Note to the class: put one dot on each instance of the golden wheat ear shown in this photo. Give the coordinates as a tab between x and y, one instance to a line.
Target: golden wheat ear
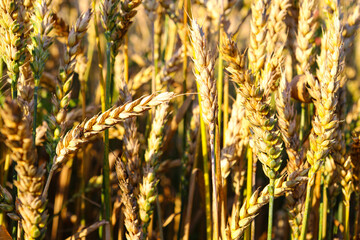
30	181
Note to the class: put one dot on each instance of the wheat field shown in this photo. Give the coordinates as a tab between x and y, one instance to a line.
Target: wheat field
189	119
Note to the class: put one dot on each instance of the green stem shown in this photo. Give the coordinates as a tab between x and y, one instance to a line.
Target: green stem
356	222
307	210
321	209
271	208
126	58
220	86
206	175
1	68
325	211
226	107
329	226
14	87
5	176
153	80
106	168
249	186
302	122
14	191
346	222
215	204
37	80
100	57
158	208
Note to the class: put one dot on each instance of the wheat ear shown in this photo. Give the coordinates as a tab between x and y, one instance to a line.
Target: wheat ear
131	142
237	138
204	74
12	46
257	48
276	35
305	33
295	200
248	212
148	187
116	19
324	91
72	141
128	199
31	176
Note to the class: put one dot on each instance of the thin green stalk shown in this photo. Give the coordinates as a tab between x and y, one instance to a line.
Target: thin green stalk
330	224
14	87
155	70
14	191
226	107
158	208
186	14
220	84
156	39
183	126
5	176
106	169
98	44
346	222
271	208
341	214
90	57
325	211
356	222
305	221
206	173
126	58
249	186
321	209
37	81
302	121
1	68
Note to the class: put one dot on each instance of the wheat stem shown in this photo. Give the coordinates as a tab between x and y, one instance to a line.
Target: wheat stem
106	169
322	213
271	208
249	186
205	158
347	222
309	190
357	214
